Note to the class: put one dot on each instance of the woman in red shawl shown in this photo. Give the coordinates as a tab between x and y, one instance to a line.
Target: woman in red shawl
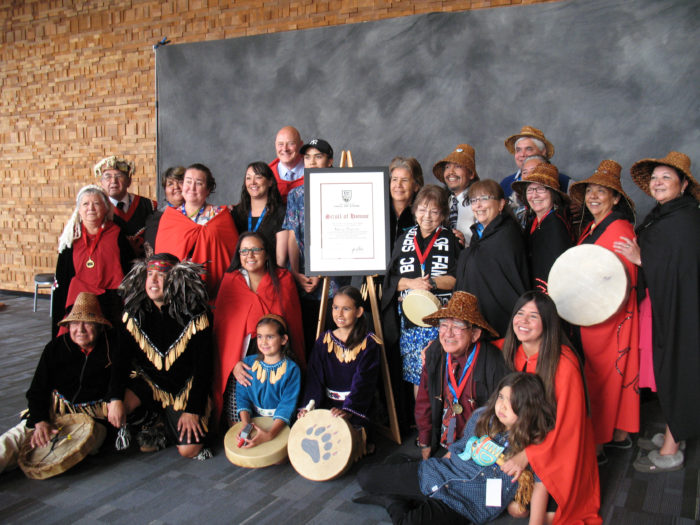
197	231
93	256
565	461
252	287
611	348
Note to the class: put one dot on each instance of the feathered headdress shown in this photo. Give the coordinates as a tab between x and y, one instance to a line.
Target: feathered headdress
185	294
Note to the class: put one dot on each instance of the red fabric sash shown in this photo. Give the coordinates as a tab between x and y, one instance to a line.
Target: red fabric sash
566	461
212	244
107	273
284	186
236	314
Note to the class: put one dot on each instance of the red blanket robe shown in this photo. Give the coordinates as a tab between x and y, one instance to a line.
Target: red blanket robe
212	244
565	461
611	349
236	314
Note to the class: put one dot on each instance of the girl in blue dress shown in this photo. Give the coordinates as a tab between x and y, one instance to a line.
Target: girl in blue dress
276	381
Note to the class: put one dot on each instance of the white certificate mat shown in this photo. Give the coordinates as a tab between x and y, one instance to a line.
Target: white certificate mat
347	223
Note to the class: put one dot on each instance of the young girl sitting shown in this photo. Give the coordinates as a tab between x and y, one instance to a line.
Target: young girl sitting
467	485
275	385
344	364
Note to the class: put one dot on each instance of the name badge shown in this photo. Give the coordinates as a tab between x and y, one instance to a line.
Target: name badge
493	492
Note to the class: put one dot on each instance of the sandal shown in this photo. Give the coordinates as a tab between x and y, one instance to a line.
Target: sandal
655	443
655	463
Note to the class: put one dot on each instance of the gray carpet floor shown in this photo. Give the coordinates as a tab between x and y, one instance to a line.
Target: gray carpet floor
133	488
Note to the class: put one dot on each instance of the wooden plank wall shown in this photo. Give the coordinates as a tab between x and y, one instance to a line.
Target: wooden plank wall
77	83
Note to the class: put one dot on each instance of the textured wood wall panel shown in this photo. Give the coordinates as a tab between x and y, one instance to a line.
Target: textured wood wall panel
77	83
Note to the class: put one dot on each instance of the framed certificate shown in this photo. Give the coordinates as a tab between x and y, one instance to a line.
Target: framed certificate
346	221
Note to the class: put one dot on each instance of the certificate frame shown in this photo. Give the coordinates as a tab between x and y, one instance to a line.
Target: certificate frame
346	227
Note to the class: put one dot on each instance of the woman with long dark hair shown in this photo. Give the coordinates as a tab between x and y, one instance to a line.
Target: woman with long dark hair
261	208
253	286
565	461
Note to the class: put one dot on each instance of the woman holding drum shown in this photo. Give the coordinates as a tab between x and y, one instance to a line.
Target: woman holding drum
548	233
667	248
494	266
423	262
611	347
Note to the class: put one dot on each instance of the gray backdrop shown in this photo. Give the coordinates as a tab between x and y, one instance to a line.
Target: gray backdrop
602	78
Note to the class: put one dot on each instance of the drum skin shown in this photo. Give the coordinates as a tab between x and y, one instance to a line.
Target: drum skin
75	439
322	447
417	304
588	284
263	455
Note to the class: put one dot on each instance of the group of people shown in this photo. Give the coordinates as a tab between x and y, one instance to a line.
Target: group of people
194	315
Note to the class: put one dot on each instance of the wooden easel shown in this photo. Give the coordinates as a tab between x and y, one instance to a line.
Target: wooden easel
392	431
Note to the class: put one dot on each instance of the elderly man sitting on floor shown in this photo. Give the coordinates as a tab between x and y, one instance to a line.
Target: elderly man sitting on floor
460	372
76	374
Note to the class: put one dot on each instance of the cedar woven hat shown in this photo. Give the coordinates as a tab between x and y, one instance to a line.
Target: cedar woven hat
463	155
113	163
533	133
543	173
608	175
641	171
463	306
86	309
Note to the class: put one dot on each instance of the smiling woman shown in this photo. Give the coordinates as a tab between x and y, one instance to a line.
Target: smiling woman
252	286
260	208
93	257
198	231
611	348
494	267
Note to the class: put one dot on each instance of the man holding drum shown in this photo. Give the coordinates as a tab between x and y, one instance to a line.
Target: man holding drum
76	374
460	372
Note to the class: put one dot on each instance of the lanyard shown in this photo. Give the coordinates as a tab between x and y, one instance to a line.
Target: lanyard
257	224
422	256
199	213
458	388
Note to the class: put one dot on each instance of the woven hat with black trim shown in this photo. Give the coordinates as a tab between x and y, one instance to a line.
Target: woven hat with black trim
86	309
608	175
641	171
463	306
532	133
463	155
545	174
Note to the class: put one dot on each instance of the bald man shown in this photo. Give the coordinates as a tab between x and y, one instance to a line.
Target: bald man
288	167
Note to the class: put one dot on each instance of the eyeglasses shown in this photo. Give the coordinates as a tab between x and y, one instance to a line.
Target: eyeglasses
420	210
482	198
457	326
538	190
254	251
116	177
